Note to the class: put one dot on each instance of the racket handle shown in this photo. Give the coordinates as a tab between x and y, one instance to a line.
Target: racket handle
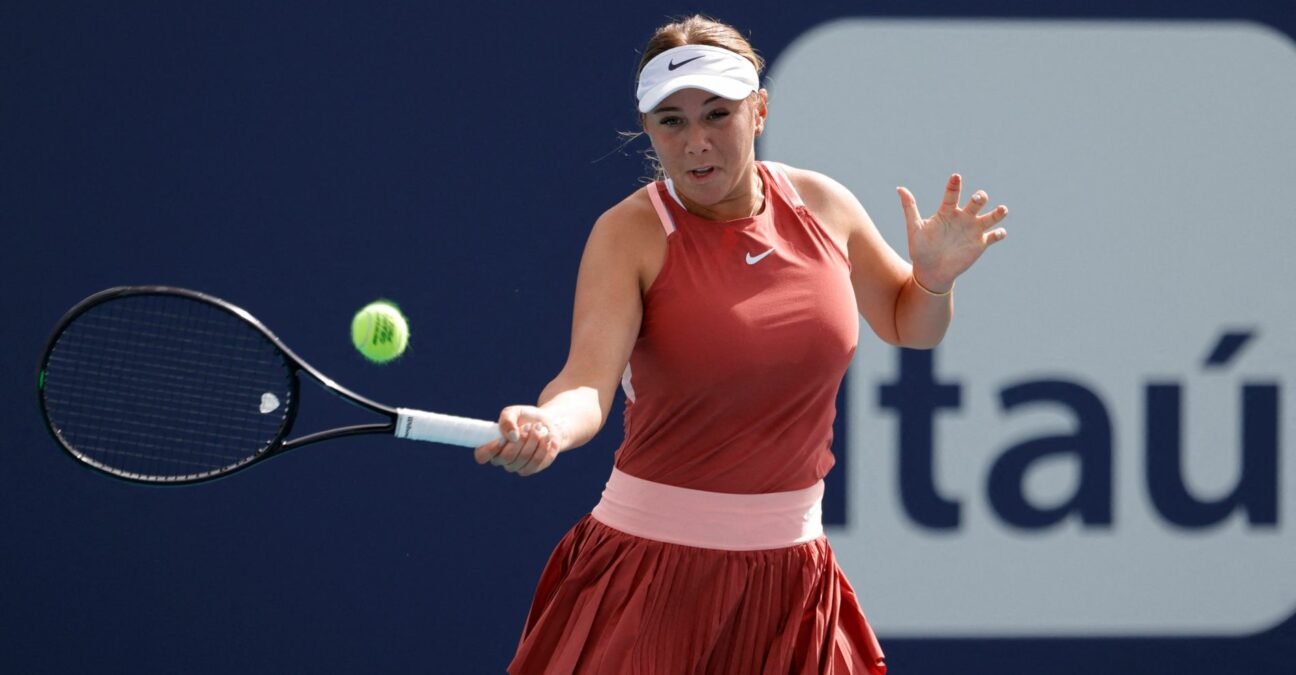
419	425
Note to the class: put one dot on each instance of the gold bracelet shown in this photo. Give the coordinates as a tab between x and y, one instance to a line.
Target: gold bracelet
929	291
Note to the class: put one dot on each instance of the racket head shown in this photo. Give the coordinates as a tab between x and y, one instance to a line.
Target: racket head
162	385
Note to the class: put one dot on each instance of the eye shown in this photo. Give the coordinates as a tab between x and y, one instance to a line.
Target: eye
670	121
717	114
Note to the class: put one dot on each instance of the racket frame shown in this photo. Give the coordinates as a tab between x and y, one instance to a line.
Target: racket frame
296	366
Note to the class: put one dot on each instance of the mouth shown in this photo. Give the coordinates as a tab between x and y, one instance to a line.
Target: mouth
702	172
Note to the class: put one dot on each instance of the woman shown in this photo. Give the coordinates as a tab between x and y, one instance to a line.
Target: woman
724	301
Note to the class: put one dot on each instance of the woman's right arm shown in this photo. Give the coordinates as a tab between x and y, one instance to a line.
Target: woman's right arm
605	323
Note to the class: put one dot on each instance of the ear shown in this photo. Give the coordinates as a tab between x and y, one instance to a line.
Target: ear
761	100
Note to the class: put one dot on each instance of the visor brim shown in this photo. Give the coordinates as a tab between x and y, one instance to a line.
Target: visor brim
724	87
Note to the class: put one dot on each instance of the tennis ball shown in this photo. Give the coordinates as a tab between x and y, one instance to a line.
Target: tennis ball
379	331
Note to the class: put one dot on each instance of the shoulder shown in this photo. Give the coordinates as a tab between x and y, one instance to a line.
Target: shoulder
635	208
833	205
819	191
628	237
631	220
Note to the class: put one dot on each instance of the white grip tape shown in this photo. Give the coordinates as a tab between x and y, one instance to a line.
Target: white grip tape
418	425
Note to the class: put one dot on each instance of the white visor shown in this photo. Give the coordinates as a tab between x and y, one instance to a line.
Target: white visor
712	69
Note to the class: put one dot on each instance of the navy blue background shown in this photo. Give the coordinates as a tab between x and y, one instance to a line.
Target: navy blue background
300	159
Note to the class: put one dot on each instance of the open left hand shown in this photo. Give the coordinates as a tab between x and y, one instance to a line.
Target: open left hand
945	245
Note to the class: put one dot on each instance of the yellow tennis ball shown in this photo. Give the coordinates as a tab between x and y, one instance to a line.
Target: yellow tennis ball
379	331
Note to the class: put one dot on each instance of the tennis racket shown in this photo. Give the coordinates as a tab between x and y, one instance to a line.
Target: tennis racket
168	386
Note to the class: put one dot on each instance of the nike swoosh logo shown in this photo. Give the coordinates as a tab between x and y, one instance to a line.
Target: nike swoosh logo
752	260
672	65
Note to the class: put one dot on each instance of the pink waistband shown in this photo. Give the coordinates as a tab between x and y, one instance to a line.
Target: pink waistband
716	520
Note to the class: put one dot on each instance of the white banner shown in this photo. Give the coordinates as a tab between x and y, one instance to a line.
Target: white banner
1101	446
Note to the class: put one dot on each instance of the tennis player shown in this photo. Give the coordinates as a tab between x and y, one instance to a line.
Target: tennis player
723	299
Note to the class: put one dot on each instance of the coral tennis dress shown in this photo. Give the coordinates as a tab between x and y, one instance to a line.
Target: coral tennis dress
730	397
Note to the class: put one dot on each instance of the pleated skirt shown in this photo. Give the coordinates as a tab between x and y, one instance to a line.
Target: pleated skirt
614	603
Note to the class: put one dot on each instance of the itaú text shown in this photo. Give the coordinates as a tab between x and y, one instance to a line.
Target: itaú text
917	396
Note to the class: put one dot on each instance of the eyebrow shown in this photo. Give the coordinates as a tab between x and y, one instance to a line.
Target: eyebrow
676	109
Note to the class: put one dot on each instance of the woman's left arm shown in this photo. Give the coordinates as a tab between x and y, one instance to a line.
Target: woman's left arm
906	304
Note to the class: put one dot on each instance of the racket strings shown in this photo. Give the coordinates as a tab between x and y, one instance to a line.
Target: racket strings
197	337
147	427
147	391
144	386
234	371
165	387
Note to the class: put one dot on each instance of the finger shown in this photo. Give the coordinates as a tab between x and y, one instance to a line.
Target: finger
910	207
975	204
508	423
511	449
952	190
546	447
542	459
507	454
994	236
524	458
991	219
487	452
507	426
529	444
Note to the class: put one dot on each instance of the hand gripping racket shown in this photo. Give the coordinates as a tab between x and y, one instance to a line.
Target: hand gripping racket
166	385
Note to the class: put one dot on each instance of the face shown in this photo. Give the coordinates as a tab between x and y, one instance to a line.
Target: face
707	145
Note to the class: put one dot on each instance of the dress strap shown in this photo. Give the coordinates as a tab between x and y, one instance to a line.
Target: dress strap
784	183
667	221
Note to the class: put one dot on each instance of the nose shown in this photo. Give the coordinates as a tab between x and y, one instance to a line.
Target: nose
696	140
